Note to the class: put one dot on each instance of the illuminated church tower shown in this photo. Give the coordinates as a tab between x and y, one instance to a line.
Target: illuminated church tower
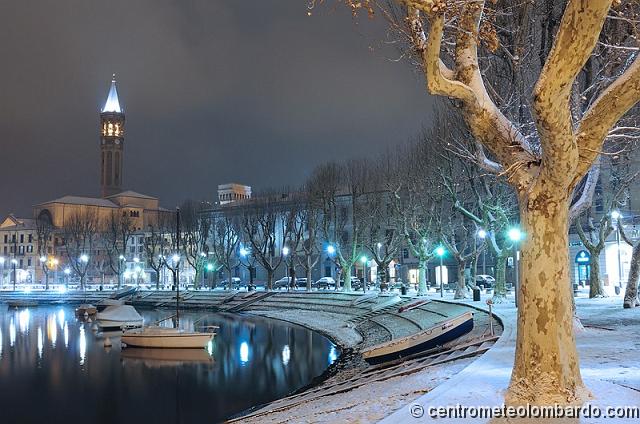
111	143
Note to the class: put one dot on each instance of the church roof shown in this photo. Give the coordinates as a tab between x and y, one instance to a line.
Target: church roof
79	200
131	193
112	104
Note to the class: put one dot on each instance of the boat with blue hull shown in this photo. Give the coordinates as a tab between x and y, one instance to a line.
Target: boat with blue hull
432	337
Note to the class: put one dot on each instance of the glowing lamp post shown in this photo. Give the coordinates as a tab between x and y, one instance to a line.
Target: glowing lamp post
440	252
67	273
515	235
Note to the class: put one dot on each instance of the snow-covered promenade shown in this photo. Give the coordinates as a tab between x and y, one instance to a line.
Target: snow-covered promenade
608	348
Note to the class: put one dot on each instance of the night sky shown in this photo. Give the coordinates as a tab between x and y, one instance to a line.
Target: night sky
214	91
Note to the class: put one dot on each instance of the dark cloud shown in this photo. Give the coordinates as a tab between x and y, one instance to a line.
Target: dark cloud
214	91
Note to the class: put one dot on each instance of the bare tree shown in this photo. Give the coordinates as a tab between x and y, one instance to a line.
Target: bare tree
196	226
225	239
117	232
544	169
44	232
80	233
631	299
157	242
264	228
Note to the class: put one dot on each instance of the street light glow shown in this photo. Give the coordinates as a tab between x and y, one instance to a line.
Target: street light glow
67	271
482	233
331	249
515	234
43	259
616	215
363	259
285	251
121	257
136	259
175	258
243	252
440	251
379	245
209	267
84	258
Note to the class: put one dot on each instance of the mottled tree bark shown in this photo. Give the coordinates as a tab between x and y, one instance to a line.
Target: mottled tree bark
631	292
546	368
596	288
461	287
422	277
500	288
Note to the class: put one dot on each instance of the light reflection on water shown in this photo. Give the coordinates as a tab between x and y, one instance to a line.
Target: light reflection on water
251	361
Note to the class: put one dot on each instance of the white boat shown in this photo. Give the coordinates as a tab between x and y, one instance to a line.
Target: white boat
166	338
119	316
105	303
430	338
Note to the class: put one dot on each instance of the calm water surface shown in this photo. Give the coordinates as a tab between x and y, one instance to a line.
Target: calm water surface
55	369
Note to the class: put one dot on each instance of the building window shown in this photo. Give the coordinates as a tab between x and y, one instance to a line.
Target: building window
5	250
140	249
21	238
21	263
405	253
29	262
13	238
30	238
141	239
6	238
132	249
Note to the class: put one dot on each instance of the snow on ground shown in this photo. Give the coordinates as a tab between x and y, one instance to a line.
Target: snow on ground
608	349
367	404
328	323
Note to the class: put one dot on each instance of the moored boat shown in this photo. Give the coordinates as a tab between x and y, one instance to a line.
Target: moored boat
123	292
430	338
86	308
19	303
119	316
166	338
105	303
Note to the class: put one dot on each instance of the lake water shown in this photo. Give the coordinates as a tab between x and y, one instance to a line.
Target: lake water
54	368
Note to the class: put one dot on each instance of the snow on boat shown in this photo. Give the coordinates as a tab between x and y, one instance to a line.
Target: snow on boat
430	338
105	303
166	338
119	316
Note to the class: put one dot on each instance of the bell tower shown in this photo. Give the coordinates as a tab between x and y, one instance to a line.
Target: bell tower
111	143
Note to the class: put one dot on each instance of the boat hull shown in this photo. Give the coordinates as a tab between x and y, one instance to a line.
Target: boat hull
428	339
106	323
168	341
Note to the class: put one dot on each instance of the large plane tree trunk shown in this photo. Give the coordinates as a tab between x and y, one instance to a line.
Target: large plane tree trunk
596	288
546	369
631	292
422	277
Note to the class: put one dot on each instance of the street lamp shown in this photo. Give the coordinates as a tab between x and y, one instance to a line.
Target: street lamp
515	235
616	216
285	252
364	261
440	252
331	250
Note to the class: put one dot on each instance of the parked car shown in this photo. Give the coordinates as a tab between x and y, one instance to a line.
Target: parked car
325	283
301	283
282	283
356	284
235	282
485	281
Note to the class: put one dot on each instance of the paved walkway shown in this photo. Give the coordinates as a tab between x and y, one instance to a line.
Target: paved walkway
608	349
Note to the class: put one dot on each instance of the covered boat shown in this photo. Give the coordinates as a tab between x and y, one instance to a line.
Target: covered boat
86	308
119	316
105	303
167	338
430	338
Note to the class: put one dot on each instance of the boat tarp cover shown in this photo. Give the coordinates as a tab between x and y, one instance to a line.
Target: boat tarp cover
120	313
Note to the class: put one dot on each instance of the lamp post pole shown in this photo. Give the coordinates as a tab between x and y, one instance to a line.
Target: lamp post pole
616	217
515	235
